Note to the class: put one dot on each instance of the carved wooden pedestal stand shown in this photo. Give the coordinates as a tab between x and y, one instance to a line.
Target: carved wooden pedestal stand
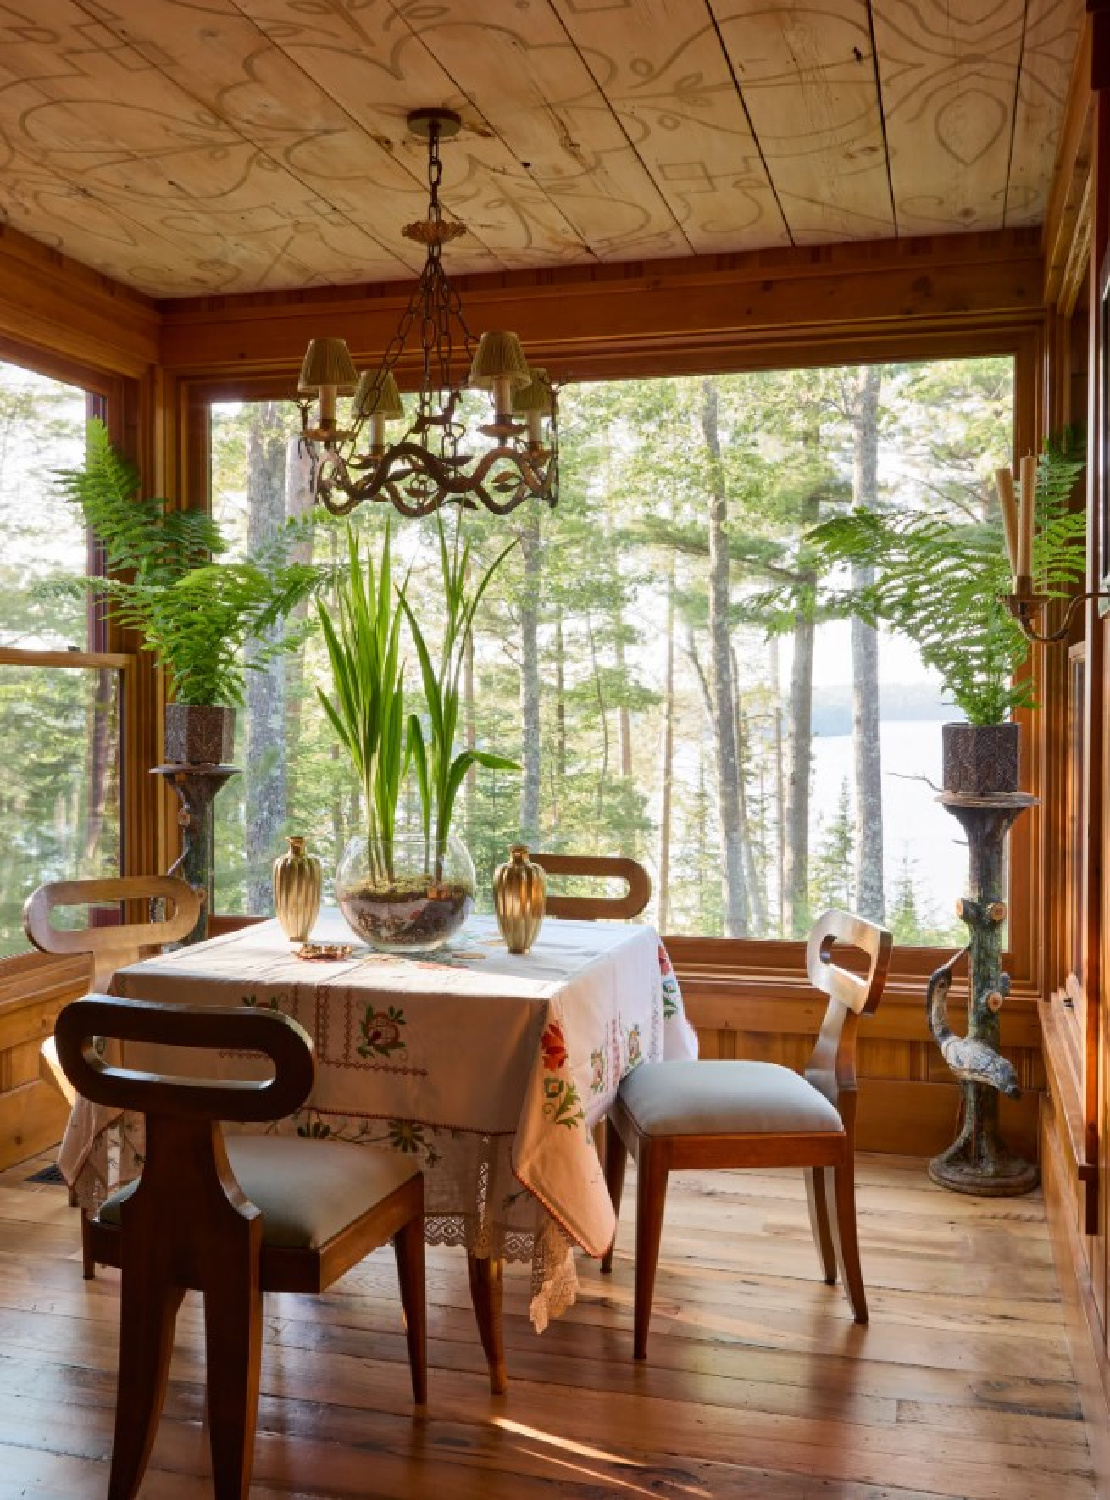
196	787
978	1161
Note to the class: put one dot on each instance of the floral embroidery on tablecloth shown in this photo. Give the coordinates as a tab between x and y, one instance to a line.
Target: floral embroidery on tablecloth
409	1137
562	1103
635	1047
599	1071
672	995
554	1047
380	1031
253	1003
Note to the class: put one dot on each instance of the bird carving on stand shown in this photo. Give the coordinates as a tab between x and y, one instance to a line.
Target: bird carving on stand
972	1061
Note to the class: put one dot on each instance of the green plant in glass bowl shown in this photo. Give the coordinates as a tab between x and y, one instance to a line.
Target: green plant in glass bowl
402	888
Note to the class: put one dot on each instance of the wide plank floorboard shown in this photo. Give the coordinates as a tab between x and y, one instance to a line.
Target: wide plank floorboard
759	1386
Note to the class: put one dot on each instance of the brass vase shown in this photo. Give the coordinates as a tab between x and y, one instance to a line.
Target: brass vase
519	894
297	885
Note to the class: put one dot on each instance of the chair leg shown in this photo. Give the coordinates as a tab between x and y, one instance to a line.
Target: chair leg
844	1237
88	1260
408	1246
616	1159
485	1292
651	1197
148	1310
233	1349
817	1195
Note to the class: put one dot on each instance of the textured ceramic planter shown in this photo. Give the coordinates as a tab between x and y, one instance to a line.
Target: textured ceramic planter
199	735
980	759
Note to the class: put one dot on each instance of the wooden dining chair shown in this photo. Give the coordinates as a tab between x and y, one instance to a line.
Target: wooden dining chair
597	867
108	947
675	1116
231	1218
111	946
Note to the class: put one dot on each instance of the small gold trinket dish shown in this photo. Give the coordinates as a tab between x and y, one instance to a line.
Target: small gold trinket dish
324	952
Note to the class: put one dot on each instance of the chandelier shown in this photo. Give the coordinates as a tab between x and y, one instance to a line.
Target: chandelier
435	461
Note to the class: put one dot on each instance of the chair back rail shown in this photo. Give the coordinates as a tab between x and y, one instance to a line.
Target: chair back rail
832	1064
113	946
598	867
208	1028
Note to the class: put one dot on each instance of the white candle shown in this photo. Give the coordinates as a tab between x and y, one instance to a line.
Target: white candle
1004	481
1028	505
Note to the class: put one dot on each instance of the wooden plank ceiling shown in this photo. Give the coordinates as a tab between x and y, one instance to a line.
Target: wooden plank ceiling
191	146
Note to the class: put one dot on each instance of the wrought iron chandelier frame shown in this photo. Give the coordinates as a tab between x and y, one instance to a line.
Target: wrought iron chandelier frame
429	466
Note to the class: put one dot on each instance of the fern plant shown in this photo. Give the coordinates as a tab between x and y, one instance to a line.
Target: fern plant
194	612
938	580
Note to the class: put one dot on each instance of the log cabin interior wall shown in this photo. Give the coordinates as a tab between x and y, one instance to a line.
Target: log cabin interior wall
603	218
1075	1155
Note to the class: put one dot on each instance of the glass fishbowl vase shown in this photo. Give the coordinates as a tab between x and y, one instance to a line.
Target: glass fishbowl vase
403	895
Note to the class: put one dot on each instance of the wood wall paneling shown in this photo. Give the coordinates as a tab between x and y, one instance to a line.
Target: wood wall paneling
32	991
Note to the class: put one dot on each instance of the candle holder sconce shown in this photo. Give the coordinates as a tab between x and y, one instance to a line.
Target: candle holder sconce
1027	606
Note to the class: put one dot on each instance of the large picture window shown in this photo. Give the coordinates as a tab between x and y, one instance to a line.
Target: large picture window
60	699
639	656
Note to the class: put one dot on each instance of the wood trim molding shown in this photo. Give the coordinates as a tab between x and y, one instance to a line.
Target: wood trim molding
593	322
59	307
1070	176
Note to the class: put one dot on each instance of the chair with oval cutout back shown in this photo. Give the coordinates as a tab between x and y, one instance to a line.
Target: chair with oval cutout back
597	867
109	947
673	1116
230	1218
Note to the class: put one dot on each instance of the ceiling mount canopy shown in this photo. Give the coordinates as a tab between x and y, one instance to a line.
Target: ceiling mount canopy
435	461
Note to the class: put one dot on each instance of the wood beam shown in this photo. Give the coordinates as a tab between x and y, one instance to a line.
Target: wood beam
62	308
596	321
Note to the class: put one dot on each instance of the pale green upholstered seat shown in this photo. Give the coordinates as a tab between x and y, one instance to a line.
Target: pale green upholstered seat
307	1191
732	1113
720	1097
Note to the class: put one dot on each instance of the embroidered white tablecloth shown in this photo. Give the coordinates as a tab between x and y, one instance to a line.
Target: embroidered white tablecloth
489	1067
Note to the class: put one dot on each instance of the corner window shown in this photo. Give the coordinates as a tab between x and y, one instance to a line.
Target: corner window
634	656
60	701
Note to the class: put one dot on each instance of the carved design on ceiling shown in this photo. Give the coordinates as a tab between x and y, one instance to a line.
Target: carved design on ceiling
191	146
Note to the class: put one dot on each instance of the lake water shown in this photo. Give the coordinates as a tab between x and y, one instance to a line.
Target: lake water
914	823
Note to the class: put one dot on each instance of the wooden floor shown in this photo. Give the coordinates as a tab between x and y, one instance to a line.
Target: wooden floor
758	1386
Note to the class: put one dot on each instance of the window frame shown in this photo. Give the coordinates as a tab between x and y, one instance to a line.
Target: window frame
764	967
114	399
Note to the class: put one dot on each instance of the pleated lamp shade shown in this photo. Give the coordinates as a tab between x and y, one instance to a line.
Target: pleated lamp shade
328	363
377	395
536	395
499	358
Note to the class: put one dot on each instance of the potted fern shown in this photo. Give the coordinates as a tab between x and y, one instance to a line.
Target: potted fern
940	580
194	609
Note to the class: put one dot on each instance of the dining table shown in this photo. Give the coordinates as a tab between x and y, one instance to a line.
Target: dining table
489	1068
